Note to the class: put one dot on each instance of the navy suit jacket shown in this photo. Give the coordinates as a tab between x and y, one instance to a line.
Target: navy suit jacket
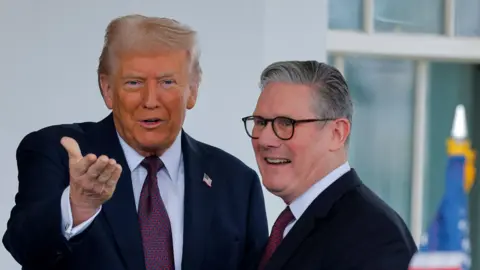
347	227
225	226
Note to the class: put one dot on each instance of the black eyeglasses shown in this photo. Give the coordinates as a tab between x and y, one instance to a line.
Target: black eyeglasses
283	127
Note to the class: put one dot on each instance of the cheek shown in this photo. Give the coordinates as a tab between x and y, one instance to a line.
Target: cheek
314	153
295	148
300	152
173	100
126	103
254	145
256	151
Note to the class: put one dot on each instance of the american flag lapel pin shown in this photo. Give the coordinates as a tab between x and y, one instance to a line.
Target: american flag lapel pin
207	180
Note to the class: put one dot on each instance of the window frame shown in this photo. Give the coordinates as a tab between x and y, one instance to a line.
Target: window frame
422	48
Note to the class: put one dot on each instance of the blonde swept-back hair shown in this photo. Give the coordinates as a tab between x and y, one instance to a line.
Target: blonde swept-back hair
139	34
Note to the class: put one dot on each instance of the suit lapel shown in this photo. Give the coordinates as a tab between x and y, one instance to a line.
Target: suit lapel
199	204
311	219
291	242
120	210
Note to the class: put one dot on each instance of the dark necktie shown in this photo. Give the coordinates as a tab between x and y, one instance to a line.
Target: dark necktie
276	236
154	222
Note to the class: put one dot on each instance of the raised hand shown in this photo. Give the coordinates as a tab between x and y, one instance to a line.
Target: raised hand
92	180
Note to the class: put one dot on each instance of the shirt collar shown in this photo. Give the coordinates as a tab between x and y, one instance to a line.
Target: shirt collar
299	205
171	158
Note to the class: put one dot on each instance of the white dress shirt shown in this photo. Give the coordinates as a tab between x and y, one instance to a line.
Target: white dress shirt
300	204
171	182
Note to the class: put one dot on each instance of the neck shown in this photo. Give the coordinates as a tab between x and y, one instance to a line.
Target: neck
321	169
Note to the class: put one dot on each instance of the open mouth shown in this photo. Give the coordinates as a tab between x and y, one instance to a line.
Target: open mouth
151	121
277	161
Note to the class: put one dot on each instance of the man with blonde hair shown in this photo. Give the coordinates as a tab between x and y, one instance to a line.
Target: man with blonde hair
135	191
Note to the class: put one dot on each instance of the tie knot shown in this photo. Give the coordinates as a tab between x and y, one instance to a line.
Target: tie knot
153	164
284	218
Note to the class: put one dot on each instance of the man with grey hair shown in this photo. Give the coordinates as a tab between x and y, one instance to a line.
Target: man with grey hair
135	191
299	131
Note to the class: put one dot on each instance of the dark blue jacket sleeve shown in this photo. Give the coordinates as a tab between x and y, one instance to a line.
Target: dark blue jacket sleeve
33	235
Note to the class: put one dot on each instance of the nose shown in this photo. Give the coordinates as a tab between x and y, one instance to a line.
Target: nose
267	137
150	96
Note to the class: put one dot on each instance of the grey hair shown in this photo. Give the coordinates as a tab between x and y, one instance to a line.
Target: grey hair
332	97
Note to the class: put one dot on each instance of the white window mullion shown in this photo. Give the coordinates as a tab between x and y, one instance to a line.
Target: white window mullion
449	18
404	45
339	63
368	16
419	149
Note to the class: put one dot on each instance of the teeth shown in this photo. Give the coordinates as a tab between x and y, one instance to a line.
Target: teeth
277	160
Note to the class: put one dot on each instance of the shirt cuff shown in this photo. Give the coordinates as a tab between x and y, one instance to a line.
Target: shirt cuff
67	220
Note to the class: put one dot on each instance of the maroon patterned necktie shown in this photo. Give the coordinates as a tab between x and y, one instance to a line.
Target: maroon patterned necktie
154	222
276	236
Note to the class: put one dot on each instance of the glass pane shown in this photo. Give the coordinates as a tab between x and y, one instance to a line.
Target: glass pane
467	17
472	113
410	16
330	59
450	84
381	142
345	14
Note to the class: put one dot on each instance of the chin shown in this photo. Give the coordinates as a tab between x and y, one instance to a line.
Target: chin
151	138
274	185
154	144
150	144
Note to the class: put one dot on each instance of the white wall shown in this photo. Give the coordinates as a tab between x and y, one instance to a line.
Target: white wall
49	52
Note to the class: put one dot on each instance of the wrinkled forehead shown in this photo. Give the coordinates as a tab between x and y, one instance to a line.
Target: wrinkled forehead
153	62
285	99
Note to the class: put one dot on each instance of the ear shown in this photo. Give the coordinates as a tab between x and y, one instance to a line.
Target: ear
107	90
192	95
340	132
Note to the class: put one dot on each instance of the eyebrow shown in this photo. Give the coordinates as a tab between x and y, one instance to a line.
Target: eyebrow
142	77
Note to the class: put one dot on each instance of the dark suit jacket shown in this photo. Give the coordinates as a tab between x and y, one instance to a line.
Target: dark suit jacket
225	226
346	227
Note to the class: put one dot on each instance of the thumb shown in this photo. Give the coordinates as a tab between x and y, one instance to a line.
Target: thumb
72	148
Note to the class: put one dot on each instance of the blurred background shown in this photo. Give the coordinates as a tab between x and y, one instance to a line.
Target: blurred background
408	63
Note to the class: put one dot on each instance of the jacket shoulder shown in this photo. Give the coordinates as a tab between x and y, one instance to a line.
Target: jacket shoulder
221	158
363	201
224	158
52	134
369	214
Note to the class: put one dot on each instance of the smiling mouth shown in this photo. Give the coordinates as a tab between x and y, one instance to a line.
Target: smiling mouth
277	161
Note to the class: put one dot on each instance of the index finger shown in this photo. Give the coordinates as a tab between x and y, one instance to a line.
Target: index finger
115	176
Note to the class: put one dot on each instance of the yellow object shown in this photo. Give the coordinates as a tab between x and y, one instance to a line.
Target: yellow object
463	148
